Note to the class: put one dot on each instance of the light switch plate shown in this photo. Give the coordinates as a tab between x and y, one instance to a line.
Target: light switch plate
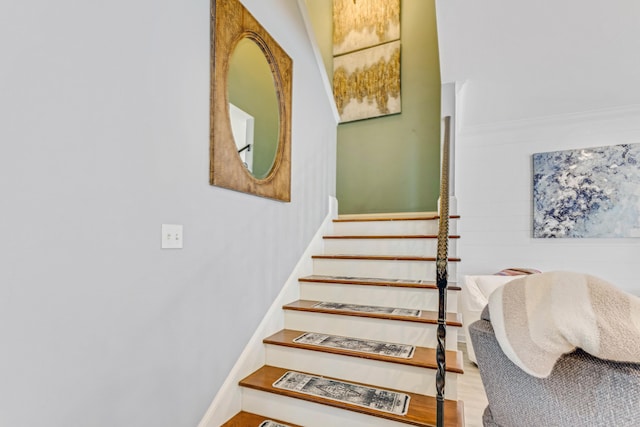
171	236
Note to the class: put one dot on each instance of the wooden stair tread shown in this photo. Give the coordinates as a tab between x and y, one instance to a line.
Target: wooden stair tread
368	281
247	419
451	319
387	236
423	357
427	217
382	257
421	411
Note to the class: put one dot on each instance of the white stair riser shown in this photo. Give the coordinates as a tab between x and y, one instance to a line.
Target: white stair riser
386	296
308	414
409	247
387	228
408	270
402	332
356	369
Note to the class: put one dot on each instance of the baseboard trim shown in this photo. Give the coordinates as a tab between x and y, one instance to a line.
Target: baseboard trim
228	400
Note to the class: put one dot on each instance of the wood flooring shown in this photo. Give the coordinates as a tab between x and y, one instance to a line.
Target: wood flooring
471	391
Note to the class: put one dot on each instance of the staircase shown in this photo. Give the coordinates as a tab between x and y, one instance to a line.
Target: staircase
375	282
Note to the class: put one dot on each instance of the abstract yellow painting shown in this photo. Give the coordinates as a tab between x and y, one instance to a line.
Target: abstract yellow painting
366	83
366	62
361	24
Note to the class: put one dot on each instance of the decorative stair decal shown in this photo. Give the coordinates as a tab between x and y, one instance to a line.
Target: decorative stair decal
368	309
270	423
354	344
354	394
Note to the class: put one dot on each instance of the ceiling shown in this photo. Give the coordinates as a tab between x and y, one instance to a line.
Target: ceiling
529	59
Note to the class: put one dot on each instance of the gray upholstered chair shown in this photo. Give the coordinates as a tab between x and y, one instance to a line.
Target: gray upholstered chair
581	391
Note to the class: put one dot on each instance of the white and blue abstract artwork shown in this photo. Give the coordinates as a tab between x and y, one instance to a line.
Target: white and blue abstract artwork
591	192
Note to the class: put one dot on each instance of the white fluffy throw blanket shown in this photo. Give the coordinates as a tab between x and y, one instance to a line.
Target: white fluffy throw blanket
540	317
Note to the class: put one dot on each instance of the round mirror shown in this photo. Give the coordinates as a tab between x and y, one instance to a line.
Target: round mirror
251	78
253	108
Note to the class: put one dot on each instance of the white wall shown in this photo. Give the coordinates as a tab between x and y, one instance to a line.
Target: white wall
527	59
536	77
104	136
494	178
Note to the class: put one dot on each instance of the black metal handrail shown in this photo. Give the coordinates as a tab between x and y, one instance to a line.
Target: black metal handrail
442	275
246	147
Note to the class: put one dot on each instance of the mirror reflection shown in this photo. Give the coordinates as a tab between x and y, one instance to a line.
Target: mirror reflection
253	107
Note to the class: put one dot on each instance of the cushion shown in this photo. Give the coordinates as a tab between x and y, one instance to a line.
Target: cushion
516	271
488	284
478	288
539	318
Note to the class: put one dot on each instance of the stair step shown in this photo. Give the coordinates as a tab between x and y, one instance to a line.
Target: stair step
367	281
422	298
246	419
451	319
407	217
396	267
383	257
346	363
387	236
422	357
370	328
414	245
421	410
399	225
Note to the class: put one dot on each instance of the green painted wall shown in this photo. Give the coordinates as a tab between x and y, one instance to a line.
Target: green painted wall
391	164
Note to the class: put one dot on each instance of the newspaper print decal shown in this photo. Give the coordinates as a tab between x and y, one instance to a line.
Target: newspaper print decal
386	280
368	309
270	423
354	394
354	344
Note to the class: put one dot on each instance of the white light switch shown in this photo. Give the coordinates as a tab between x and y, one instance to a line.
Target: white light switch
171	236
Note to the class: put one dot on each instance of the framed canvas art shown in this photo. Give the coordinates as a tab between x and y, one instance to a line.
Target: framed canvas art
366	83
361	24
590	192
366	61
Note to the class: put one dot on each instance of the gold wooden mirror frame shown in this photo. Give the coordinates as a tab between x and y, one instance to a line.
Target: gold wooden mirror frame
230	23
